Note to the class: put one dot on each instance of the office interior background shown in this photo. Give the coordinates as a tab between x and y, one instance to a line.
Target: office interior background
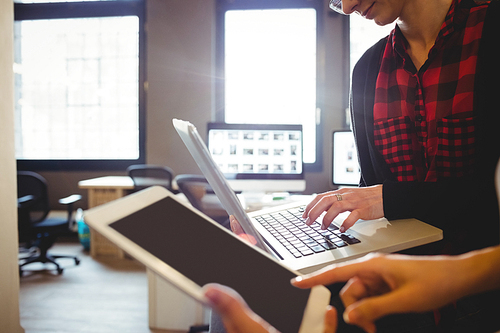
180	61
179	57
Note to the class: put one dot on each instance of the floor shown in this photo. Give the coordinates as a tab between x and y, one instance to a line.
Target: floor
99	296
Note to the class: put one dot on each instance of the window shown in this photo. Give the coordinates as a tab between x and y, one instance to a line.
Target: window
79	74
363	34
268	62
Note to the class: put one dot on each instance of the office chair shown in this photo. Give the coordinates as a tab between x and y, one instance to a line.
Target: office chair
201	195
145	175
36	229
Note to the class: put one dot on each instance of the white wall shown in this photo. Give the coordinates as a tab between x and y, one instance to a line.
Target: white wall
9	271
180	65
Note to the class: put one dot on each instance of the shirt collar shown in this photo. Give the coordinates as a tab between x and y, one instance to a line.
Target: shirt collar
455	18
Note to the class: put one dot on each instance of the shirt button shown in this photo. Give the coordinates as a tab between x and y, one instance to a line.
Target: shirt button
418	117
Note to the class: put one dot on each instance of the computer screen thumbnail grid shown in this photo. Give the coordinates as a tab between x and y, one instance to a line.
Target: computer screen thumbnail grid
257	151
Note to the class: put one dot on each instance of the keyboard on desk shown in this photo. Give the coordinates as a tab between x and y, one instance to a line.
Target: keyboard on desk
289	228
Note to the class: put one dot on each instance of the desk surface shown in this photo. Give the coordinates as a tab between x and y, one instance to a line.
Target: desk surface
253	203
124	182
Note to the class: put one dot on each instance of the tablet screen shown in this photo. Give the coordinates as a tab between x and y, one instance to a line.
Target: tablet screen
205	253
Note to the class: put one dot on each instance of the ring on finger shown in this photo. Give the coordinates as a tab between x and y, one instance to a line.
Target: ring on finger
339	197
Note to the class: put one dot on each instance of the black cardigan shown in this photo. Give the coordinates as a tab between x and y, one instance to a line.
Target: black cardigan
456	205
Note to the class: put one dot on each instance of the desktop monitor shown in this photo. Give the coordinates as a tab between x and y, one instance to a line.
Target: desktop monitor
258	157
345	164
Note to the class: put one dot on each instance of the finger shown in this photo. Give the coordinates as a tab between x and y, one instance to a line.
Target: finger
338	272
224	299
237	229
235	314
351	219
333	211
351	317
235	226
367	310
324	204
227	305
330	320
353	291
310	205
324	276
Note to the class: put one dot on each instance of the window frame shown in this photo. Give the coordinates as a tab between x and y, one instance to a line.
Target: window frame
225	5
92	9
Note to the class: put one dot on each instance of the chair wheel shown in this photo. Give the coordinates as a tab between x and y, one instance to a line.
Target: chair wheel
77	261
60	271
20	272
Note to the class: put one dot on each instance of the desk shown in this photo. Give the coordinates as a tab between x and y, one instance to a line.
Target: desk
105	189
100	191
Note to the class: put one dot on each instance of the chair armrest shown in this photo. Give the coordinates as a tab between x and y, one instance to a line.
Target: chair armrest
70	200
23	202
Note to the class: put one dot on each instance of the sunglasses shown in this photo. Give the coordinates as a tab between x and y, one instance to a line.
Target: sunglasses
336	5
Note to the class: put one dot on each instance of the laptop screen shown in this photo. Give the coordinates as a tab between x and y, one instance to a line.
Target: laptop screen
345	165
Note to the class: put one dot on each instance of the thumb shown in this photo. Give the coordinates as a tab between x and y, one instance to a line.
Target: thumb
236	316
355	314
224	300
330	320
235	226
238	231
366	311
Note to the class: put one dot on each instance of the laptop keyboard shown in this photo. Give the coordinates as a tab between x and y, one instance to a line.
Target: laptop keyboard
289	228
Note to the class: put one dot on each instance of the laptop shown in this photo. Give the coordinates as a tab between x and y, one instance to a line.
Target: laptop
272	230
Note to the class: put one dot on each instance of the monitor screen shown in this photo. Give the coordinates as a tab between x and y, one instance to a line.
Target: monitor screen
258	157
345	165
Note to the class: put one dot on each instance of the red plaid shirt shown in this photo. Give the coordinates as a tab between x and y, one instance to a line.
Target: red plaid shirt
423	120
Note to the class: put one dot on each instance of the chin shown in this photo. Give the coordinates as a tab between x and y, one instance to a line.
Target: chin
381	21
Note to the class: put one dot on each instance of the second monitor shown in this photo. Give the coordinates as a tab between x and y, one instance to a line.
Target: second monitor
345	164
259	157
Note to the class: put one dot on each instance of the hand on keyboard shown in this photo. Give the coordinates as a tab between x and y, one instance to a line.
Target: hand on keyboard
363	202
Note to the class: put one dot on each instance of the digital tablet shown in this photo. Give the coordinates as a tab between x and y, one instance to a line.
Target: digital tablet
189	250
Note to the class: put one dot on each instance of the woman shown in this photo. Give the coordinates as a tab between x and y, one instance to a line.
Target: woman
424	116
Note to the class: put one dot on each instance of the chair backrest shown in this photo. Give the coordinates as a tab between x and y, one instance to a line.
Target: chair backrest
145	175
33	184
201	195
195	188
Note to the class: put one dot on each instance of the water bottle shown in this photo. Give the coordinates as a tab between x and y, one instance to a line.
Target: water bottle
83	230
